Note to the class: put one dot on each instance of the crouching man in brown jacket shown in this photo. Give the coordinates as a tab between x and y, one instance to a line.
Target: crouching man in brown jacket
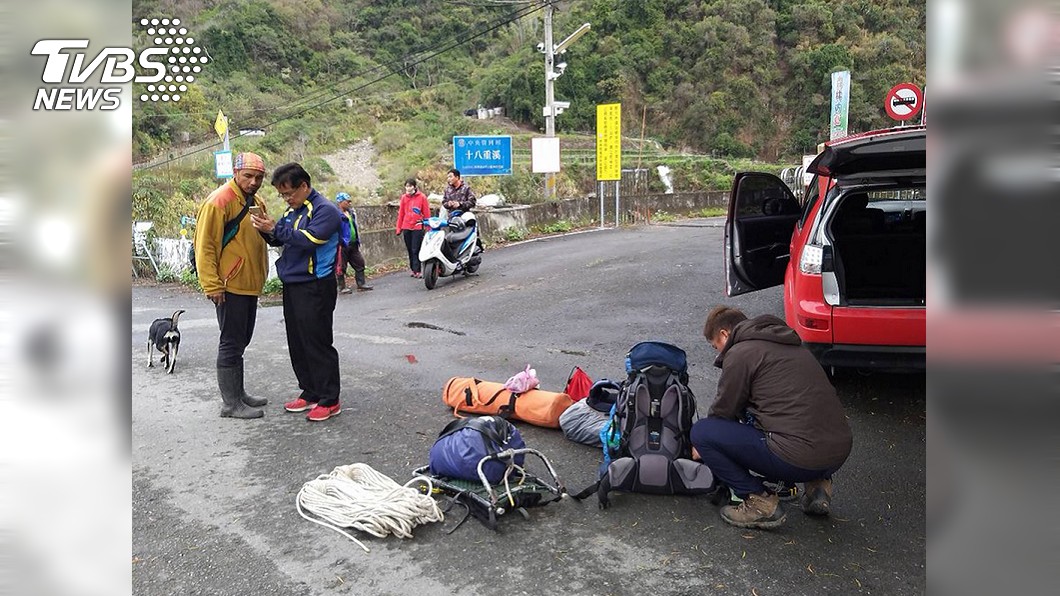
776	414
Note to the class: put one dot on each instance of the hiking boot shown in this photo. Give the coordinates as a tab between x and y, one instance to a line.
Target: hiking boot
362	284
320	413
761	511
817	497
298	405
346	291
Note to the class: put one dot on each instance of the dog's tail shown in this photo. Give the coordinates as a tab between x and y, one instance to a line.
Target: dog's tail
176	317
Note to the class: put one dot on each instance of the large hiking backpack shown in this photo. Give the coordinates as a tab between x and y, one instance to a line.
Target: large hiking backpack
646	443
464	442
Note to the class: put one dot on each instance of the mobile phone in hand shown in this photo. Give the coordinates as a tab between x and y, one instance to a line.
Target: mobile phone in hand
256	210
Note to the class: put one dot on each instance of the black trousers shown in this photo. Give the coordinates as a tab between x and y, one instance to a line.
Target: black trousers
353	256
309	315
413	239
235	318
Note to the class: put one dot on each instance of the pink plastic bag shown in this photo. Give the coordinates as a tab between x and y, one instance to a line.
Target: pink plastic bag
522	382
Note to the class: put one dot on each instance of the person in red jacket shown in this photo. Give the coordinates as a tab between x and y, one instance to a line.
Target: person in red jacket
410	223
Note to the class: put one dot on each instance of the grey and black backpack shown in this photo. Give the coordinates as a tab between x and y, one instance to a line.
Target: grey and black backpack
646	443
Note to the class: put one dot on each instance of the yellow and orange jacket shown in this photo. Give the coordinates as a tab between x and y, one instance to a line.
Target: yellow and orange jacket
239	267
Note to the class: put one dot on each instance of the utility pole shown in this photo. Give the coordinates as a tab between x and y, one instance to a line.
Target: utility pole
550	97
552	72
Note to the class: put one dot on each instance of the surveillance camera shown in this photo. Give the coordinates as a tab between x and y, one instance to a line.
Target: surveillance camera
562	66
541	47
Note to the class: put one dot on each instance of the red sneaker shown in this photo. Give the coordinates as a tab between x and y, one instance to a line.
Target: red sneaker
320	413
298	405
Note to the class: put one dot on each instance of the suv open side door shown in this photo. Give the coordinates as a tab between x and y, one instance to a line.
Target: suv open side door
758	231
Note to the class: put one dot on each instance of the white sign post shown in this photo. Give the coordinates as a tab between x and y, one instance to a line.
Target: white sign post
544	155
222	161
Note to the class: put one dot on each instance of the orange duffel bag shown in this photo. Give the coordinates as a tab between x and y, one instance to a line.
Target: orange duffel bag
474	396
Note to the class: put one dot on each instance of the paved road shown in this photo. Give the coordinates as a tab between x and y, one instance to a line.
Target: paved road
214	498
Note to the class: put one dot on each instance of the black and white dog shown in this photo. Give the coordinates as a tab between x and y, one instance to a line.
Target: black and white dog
164	336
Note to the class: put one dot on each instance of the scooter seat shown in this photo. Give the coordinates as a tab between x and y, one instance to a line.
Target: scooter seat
458	237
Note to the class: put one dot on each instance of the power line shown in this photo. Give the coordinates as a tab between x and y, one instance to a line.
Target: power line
493	4
399	61
404	62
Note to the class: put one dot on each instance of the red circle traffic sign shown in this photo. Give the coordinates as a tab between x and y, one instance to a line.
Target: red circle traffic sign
904	101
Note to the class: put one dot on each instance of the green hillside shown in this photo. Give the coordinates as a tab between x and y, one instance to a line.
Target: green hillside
726	79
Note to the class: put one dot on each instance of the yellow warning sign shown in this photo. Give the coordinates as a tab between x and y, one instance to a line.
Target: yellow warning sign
221	124
609	141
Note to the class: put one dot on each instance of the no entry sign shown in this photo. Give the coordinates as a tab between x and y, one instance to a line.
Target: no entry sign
904	101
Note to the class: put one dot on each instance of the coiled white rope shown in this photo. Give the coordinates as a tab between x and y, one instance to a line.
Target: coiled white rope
356	496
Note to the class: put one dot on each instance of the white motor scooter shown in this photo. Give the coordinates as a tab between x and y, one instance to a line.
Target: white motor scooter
450	246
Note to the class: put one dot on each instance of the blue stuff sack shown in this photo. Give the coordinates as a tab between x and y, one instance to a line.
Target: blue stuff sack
464	442
656	353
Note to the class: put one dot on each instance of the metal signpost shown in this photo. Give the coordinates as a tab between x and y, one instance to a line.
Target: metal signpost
222	159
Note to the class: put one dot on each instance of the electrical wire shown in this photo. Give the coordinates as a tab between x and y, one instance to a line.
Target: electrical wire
405	63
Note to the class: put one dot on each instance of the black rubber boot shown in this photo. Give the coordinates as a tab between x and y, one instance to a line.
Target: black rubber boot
342	286
362	285
230	381
250	400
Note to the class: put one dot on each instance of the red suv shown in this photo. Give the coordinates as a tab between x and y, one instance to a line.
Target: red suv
854	268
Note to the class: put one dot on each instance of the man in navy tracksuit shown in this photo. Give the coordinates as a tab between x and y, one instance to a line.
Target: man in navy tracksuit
309	234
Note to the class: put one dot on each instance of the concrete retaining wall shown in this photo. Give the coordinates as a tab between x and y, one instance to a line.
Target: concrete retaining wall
380	244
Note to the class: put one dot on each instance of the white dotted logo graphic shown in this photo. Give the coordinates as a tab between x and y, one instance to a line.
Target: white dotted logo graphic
184	61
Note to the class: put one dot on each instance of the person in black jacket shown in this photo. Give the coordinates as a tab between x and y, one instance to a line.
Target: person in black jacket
459	197
776	414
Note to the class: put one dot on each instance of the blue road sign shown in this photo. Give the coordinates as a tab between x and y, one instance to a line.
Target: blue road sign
483	155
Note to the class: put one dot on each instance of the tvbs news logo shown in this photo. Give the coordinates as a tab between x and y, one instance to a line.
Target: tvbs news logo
162	71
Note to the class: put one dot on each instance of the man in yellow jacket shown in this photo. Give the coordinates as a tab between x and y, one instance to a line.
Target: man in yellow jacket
232	261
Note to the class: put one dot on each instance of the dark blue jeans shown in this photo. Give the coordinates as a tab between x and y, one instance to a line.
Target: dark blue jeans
732	449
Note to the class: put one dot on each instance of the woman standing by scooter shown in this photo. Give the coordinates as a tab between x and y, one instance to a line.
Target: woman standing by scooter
411	213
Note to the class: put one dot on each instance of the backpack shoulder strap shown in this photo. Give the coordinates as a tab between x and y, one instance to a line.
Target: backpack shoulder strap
585	492
232	226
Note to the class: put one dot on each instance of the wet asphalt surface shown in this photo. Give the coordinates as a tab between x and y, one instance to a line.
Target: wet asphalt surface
213	498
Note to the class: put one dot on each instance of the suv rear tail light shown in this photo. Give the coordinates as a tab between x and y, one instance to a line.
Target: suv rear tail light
812	257
816	259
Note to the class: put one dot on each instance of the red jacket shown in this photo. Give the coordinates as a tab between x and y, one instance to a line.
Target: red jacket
407	219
